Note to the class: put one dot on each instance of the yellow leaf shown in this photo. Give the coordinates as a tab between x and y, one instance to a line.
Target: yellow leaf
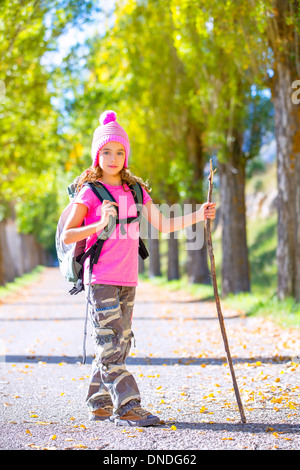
173	428
53	437
28	432
276	400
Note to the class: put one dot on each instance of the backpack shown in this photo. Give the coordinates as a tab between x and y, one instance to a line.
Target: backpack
71	257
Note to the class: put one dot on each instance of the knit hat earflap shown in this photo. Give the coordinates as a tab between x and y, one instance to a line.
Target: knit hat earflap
109	131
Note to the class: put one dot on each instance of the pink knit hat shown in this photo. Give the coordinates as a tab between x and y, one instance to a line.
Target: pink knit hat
109	131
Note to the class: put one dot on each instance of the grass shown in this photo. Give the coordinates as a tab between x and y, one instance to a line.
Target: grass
19	282
200	291
285	313
262	300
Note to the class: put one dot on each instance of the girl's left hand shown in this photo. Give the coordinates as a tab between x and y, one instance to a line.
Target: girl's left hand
209	210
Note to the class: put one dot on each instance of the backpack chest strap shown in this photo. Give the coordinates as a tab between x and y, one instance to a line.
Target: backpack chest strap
102	193
129	220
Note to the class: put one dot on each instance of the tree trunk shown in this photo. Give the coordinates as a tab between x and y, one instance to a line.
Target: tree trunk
197	267
154	255
287	123
284	40
173	262
235	265
197	263
141	268
2	261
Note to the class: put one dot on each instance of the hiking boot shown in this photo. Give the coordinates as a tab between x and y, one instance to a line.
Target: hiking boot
101	414
136	416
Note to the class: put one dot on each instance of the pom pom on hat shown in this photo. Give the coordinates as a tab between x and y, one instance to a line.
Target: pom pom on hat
107	116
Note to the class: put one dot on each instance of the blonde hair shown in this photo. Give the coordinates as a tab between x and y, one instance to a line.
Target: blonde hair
94	173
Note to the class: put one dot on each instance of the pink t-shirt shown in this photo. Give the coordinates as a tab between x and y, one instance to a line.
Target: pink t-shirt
118	261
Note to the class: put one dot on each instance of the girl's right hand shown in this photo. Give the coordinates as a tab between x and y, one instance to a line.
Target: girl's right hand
107	210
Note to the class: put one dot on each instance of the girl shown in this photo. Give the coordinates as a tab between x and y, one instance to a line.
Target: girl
113	393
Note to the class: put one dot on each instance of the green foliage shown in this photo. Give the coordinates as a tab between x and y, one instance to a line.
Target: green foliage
33	147
134	69
224	53
20	282
256	165
162	66
37	210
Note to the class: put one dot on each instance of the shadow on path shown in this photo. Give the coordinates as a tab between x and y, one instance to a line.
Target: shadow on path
136	318
153	361
240	427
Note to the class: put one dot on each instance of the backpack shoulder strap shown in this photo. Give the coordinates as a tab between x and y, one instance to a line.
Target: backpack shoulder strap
137	193
102	193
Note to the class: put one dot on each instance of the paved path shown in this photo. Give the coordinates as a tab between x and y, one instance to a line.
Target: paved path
179	364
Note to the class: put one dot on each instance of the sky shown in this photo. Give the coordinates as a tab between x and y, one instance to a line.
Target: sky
75	35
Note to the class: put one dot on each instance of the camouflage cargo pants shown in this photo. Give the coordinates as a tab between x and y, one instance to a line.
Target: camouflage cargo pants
110	309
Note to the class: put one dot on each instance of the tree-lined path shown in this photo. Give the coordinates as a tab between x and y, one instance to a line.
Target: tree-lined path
178	361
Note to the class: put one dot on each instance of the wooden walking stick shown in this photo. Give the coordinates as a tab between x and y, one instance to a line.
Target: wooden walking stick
218	304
